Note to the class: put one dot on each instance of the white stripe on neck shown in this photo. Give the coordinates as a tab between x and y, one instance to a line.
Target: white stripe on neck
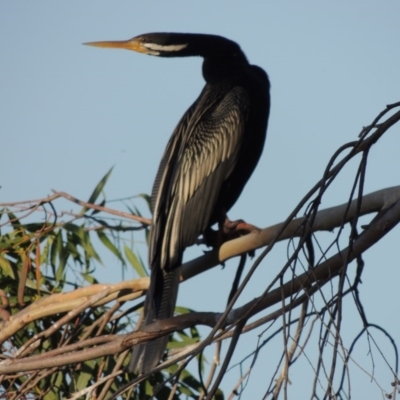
159	47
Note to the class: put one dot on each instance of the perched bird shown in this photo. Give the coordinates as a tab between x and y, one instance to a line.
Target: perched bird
207	162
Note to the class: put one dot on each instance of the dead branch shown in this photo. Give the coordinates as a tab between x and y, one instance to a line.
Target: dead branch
66	302
325	220
30	206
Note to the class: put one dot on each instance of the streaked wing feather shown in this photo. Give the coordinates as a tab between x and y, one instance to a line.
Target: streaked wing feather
203	163
159	199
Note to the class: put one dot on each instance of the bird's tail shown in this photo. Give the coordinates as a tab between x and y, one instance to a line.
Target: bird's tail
159	304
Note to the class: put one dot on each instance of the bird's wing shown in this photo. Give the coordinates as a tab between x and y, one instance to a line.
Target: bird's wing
159	196
170	154
202	156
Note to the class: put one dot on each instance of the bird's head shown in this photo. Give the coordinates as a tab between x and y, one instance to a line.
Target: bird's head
177	45
155	44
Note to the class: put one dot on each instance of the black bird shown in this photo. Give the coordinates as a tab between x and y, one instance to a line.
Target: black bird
207	162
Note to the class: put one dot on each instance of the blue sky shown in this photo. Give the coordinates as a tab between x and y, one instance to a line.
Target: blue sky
70	112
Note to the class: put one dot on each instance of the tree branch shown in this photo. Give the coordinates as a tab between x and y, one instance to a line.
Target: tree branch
325	220
387	201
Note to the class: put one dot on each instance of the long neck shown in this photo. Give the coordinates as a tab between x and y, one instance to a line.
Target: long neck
222	57
216	69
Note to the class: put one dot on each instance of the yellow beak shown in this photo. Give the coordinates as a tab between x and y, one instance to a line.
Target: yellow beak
134	44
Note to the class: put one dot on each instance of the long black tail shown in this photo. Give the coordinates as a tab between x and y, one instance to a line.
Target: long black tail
159	304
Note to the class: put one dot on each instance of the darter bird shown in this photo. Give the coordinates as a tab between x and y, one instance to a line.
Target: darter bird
208	160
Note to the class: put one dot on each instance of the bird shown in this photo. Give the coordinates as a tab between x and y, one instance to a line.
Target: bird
208	160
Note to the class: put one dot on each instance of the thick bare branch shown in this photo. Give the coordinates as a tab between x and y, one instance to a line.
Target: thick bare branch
66	302
326	220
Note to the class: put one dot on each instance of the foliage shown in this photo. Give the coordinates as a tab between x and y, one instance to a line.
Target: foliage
39	260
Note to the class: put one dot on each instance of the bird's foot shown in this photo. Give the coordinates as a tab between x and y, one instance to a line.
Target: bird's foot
237	228
228	230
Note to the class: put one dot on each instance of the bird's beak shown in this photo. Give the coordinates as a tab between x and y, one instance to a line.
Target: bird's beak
134	44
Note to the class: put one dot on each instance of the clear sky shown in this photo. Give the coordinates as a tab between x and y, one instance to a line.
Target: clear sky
70	112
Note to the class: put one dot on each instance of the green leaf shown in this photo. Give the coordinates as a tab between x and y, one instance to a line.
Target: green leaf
12	239
135	262
219	395
86	373
183	310
80	238
147	199
89	278
57	381
35	227
60	272
56	249
186	391
15	221
186	341
101	204
189	380
6	267
97	190
45	251
110	246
